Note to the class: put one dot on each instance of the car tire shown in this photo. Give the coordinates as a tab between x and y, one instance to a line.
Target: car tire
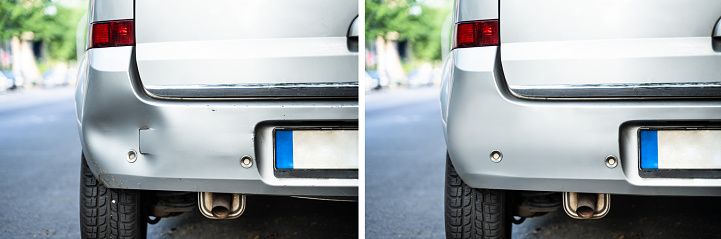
474	213
107	212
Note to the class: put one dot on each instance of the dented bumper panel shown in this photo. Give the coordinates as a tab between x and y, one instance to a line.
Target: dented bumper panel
188	145
556	145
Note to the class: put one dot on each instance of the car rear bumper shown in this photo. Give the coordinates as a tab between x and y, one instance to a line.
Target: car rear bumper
556	145
191	145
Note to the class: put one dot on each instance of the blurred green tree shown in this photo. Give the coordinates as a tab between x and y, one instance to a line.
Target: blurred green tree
52	23
416	22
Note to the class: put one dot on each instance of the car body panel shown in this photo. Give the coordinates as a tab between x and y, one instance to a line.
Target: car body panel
100	11
550	145
202	142
561	43
244	43
475	10
198	145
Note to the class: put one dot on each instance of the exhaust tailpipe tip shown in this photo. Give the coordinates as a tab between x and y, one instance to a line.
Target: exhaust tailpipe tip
220	212
586	205
221	205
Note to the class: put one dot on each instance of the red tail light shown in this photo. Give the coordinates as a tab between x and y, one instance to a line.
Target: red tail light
115	33
477	33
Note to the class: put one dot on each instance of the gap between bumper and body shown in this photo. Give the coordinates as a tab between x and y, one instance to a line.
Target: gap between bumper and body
555	145
196	145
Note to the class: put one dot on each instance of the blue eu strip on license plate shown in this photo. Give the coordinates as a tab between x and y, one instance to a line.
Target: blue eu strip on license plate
680	149
649	149
284	149
316	149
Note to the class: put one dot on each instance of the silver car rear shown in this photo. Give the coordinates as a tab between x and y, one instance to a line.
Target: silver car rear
560	104
182	105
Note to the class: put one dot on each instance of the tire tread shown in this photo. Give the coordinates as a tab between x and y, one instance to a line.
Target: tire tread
108	213
473	213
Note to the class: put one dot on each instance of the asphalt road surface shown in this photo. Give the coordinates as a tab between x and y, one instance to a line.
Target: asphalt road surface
40	176
405	161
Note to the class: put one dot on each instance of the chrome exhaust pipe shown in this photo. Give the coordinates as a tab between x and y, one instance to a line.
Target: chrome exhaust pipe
586	205
221	205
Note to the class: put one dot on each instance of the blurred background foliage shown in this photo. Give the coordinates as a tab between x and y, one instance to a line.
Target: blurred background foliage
417	22
405	41
52	22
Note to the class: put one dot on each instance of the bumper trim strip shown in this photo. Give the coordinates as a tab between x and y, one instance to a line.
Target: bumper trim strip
646	90
324	90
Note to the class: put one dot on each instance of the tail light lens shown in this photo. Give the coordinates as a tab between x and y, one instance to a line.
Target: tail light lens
114	33
476	33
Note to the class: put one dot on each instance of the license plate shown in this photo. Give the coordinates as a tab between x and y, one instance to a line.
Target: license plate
316	149
680	149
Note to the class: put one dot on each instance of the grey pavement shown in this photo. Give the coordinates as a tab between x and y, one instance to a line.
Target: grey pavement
40	176
39	164
405	153
405	162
